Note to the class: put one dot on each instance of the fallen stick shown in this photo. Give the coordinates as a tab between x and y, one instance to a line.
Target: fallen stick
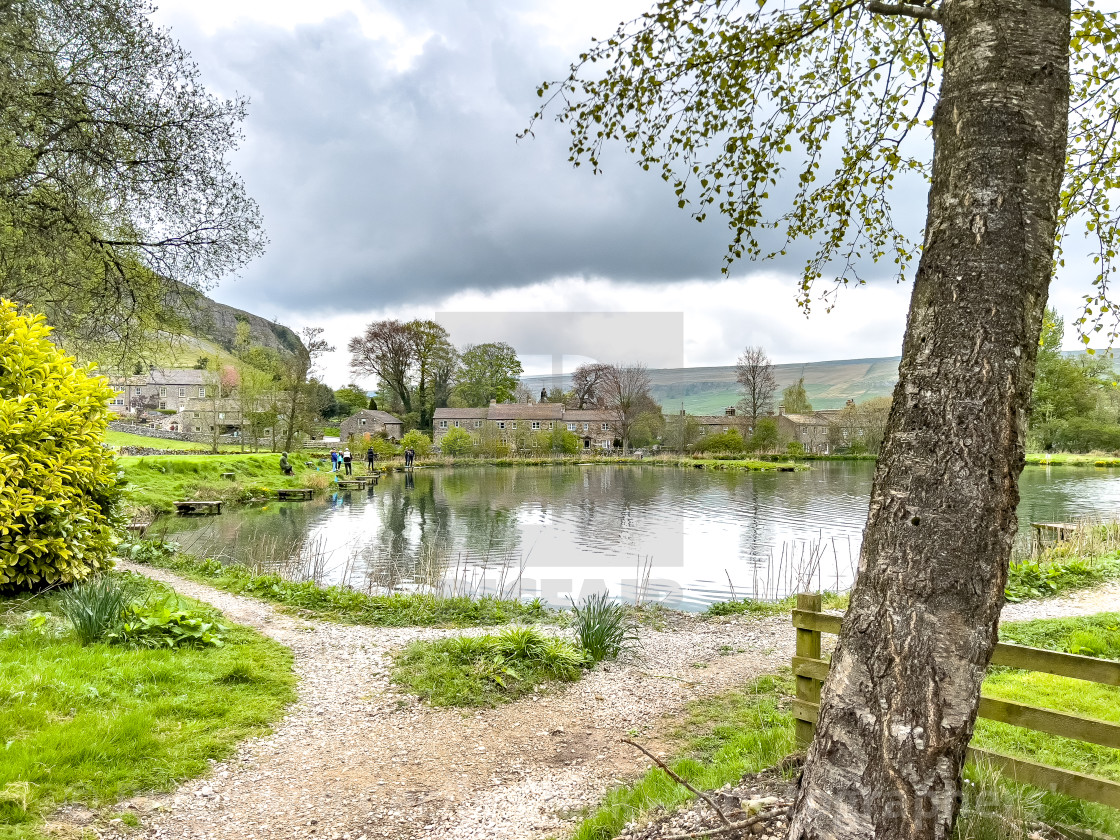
722	816
712	832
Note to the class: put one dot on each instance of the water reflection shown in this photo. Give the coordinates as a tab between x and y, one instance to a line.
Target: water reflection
687	537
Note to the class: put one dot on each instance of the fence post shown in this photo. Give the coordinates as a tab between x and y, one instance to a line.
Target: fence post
807	688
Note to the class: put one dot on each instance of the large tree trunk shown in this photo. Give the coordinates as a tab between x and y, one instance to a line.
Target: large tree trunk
898	708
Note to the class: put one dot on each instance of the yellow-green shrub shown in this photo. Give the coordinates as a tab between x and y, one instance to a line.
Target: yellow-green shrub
58	484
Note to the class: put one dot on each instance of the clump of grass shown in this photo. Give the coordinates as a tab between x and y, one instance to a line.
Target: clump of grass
342	604
94	607
486	670
753	607
604	628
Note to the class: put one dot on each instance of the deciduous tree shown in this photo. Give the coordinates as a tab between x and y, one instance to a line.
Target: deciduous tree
795	400
587	382
114	180
722	98
624	390
489	371
755	375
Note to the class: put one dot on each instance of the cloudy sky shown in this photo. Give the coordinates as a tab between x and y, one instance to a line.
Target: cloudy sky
381	146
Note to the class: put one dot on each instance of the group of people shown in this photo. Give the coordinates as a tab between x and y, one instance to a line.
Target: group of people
345	461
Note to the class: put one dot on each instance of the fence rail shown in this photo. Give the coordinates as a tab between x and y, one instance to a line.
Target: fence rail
810	671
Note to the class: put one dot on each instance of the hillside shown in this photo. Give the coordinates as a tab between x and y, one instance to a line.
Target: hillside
709	390
215	324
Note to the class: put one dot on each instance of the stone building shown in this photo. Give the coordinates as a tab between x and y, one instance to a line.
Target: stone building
810	430
594	427
159	389
370	422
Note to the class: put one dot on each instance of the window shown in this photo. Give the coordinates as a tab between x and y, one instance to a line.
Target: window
201	392
163	390
585	427
501	425
536	424
118	401
443	424
605	426
513	425
196	415
361	421
478	424
136	390
221	415
571	427
163	403
550	424
198	428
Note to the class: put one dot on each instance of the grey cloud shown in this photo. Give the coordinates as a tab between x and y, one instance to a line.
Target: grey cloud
383	188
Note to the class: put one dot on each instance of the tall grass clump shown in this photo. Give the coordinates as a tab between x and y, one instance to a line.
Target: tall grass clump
94	607
486	670
603	627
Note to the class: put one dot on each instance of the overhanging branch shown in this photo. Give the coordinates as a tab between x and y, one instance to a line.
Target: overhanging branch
904	9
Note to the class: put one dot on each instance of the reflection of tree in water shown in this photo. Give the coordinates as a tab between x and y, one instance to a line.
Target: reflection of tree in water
413	539
264	537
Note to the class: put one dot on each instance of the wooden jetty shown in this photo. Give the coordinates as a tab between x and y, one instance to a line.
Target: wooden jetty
229	476
138	527
1058	530
295	494
355	482
198	508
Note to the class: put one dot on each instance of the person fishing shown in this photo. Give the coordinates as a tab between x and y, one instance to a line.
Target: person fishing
347	460
285	467
371	459
334	460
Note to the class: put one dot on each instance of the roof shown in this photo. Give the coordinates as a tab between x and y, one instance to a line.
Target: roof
165	376
460	414
526	411
373	414
586	415
806	419
720	419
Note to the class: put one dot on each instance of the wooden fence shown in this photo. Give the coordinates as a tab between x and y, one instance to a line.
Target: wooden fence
810	671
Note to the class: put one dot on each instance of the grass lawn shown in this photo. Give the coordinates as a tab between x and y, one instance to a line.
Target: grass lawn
1070	459
157	481
738	732
99	723
340	603
119	439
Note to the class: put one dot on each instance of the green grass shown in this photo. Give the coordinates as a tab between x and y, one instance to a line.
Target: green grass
486	670
1070	459
744	731
119	439
1048	577
719	740
157	481
749	606
97	723
339	603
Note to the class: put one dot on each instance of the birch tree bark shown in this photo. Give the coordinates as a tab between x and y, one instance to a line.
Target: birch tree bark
898	709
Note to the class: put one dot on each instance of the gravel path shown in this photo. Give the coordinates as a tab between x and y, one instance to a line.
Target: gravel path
1082	602
354	758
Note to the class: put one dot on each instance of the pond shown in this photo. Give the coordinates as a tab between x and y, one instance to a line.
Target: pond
684	537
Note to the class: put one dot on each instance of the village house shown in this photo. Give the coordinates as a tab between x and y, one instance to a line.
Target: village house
158	389
810	430
364	424
714	424
593	427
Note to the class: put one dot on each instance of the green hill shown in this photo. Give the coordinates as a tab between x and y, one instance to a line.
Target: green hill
709	390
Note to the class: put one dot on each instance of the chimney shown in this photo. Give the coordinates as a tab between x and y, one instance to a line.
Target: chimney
729	411
851	403
493	403
781	409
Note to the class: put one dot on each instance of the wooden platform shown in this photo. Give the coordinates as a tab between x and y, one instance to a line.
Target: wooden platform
355	482
198	508
296	494
229	476
1058	530
138	527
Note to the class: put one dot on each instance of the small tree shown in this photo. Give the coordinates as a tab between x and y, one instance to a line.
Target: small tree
418	441
765	436
60	490
625	394
489	372
795	400
681	431
755	376
456	442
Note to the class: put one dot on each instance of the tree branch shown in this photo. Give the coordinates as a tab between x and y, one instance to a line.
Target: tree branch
904	9
722	817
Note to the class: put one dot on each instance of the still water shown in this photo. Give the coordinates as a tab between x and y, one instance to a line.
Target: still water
685	537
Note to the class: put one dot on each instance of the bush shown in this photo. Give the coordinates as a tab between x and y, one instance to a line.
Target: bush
161	623
795	448
603	627
1079	434
418	441
456	442
59	492
765	437
729	441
